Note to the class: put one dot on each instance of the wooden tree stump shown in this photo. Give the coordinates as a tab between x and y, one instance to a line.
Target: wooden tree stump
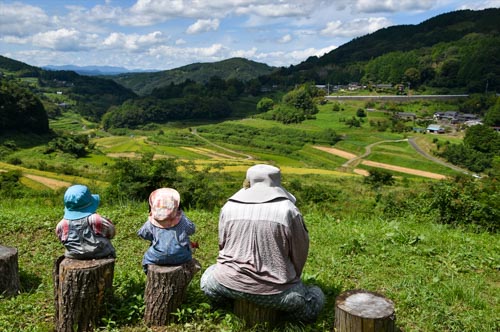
81	288
165	291
254	314
9	271
363	311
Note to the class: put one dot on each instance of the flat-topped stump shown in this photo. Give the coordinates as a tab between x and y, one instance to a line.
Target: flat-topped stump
9	271
253	314
363	311
166	288
81	289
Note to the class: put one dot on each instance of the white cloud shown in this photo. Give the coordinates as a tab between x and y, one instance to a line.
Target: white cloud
273	9
357	27
285	39
133	42
370	6
203	26
64	40
479	5
20	20
189	54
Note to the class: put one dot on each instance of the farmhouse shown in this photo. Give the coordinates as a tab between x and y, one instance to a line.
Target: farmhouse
406	116
435	129
449	115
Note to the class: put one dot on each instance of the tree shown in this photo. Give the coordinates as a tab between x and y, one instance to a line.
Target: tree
482	138
264	105
492	117
412	76
360	113
21	110
379	177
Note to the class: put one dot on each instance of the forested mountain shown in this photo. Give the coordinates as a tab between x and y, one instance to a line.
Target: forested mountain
230	69
91	96
21	110
457	50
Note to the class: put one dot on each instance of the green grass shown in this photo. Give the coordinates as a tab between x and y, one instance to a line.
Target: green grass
440	278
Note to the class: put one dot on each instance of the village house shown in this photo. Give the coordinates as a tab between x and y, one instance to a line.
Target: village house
448	115
406	116
435	129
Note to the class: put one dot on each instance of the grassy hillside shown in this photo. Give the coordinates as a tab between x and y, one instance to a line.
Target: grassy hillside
385	239
440	278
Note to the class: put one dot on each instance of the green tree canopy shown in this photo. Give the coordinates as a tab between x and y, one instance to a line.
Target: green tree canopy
21	110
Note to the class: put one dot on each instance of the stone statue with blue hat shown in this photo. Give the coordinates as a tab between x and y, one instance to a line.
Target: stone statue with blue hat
84	233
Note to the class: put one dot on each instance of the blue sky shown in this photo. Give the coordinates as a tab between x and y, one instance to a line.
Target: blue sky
166	34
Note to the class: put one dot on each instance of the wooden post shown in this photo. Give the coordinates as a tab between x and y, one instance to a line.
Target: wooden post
81	288
9	273
363	311
254	314
165	291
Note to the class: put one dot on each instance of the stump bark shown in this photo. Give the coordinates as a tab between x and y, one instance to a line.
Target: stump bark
363	311
165	290
254	314
81	288
9	271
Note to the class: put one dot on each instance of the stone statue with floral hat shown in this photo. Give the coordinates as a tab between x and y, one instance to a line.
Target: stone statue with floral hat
168	230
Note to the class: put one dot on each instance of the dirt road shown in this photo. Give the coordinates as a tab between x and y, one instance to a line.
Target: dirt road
51	183
353	160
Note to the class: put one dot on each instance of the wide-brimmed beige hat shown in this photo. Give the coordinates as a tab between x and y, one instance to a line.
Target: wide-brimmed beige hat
265	186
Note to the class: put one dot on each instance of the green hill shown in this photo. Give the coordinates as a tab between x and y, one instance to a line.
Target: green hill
89	96
457	50
234	68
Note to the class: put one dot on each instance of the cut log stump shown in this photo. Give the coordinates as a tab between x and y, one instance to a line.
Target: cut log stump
363	311
9	271
254	314
165	291
81	288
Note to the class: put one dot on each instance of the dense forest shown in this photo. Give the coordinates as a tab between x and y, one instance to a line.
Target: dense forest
21	109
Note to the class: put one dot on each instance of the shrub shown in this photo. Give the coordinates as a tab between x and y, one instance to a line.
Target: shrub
464	201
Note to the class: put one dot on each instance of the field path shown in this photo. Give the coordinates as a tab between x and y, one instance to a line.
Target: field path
247	156
354	160
404	170
51	183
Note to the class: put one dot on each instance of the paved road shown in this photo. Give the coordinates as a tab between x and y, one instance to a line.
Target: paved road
417	148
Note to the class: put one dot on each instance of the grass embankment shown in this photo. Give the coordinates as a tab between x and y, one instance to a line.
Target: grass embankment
440	278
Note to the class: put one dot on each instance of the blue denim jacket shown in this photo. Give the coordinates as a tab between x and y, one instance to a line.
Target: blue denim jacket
169	246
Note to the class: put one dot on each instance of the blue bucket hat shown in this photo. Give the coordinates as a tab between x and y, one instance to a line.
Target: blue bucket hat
79	202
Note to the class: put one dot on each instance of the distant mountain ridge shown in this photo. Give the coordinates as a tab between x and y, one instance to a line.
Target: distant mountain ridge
95	70
234	68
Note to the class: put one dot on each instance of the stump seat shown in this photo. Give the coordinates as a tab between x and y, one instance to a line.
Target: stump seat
364	311
166	288
9	271
254	314
81	288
